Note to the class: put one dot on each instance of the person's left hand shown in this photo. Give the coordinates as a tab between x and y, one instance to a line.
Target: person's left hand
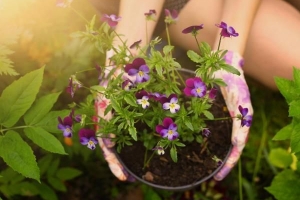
237	98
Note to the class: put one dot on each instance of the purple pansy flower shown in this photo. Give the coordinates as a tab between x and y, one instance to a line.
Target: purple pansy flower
192	29
170	103
139	69
156	96
195	87
160	150
135	44
88	137
150	15
65	125
212	93
74	84
142	99
168	129
246	120
111	20
227	31
205	132
127	85
171	17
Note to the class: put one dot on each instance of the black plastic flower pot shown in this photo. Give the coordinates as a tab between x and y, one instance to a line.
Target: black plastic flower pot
194	165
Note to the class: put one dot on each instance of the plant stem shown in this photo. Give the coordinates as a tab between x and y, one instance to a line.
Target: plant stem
240	180
13	128
122	42
261	145
219	42
197	43
146	163
80	15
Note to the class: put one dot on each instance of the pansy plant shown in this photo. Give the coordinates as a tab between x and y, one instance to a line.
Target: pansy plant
145	95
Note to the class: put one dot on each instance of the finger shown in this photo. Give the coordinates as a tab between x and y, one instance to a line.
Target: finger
229	164
113	163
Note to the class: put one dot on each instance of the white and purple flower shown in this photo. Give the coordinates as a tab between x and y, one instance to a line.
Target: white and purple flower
139	69
195	87
170	103
87	137
65	125
168	129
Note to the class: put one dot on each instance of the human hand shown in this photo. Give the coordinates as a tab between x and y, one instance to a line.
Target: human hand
236	94
106	144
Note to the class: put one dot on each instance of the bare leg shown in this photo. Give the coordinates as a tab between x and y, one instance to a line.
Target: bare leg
274	42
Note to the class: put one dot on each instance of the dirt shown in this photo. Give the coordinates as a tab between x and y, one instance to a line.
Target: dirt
192	165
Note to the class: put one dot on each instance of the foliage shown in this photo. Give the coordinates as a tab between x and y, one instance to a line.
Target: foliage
285	185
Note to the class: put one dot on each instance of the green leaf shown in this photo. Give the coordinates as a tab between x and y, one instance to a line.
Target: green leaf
195	57
294	109
295	139
17	98
46	192
68	173
167	49
44	163
173	153
6	66
284	133
286	88
130	100
54	166
230	69
285	185
189	125
57	184
40	108
10	176
296	73
132	132
208	114
50	122
44	140
18	155
280	157
25	189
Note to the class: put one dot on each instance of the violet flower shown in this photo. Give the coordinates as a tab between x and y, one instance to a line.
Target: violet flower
206	132
139	69
168	129
246	120
195	87
151	15
227	31
170	103
111	20
192	29
160	150
65	125
212	93
88	137
142	99
74	84
127	85
171	17
156	96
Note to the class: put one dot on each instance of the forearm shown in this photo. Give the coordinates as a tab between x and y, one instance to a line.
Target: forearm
239	14
133	23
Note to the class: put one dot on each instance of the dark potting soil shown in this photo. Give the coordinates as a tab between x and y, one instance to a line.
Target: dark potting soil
192	165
